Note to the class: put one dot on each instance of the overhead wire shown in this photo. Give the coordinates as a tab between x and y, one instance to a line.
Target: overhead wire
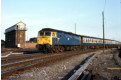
120	16
104	6
120	12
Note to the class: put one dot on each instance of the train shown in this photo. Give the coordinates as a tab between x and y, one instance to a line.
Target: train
53	41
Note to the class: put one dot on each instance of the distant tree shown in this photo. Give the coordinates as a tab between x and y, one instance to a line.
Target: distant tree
2	43
33	40
27	41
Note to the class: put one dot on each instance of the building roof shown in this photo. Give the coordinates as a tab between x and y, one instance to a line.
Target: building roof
14	26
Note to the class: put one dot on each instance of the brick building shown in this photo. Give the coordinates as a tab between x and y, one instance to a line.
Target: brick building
15	36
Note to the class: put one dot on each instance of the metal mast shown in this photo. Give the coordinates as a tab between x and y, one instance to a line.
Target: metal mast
103	33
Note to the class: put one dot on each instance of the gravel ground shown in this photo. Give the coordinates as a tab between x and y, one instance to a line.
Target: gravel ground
55	71
58	70
104	61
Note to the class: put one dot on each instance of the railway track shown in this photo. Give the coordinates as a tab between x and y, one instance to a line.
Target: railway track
28	61
22	57
21	66
4	50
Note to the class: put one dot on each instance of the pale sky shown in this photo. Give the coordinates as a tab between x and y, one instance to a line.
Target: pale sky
62	15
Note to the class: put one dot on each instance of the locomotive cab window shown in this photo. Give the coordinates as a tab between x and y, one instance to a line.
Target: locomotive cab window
47	33
41	34
53	34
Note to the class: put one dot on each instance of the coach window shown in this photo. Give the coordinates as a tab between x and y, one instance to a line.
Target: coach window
86	40
96	41
90	41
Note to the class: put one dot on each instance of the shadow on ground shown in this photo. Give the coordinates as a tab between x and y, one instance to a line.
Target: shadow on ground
29	52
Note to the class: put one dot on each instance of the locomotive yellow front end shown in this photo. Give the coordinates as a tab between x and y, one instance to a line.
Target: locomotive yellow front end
44	40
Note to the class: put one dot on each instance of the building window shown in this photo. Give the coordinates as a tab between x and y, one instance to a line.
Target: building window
20	35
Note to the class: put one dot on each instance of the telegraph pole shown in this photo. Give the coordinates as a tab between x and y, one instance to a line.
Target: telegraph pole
103	33
75	28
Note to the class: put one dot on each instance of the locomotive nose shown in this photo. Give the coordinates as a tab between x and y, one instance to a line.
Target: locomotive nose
45	40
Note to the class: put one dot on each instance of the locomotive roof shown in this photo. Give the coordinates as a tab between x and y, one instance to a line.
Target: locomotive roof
50	29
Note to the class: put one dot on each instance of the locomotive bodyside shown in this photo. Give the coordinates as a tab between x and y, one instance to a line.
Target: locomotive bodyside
65	39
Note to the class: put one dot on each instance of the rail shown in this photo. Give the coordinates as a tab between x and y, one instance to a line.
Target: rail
79	72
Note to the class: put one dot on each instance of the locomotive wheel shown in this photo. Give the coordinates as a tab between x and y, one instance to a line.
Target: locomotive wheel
53	49
50	50
56	49
75	48
61	49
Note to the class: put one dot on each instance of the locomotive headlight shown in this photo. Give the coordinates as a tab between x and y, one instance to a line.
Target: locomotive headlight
40	39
